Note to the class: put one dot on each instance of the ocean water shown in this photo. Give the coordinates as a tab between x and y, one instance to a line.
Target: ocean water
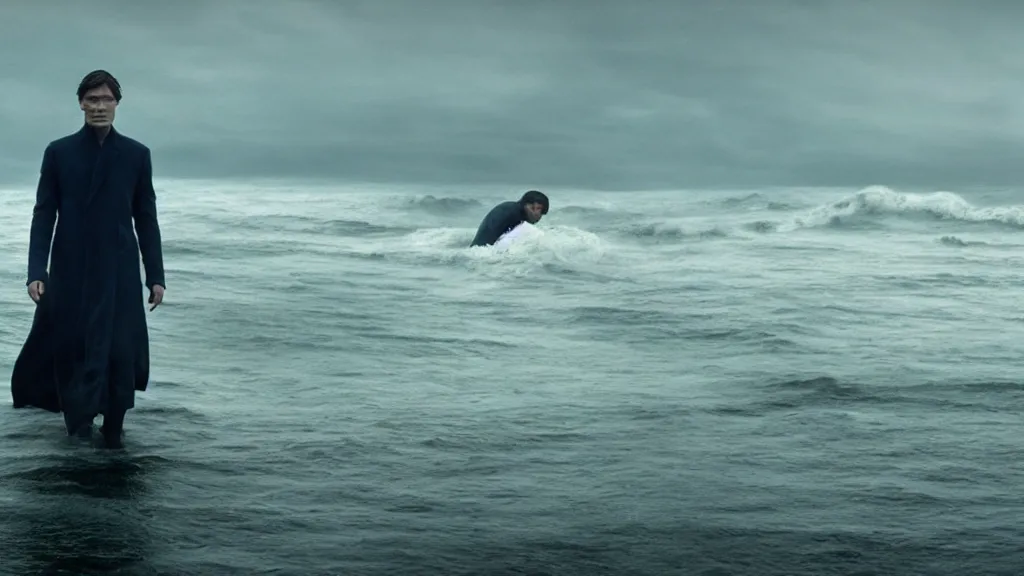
752	382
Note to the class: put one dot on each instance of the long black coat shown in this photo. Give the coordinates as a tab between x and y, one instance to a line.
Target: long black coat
88	348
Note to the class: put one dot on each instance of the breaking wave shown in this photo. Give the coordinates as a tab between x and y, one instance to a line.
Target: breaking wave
871	204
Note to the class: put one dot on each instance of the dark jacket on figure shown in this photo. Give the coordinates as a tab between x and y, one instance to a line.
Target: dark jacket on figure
499	220
88	348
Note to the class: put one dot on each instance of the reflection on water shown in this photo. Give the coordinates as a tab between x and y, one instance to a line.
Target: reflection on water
76	514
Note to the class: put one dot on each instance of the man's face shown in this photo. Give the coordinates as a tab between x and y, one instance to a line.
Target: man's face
99	105
534	212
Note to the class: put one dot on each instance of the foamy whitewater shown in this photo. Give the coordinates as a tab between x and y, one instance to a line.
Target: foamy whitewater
770	382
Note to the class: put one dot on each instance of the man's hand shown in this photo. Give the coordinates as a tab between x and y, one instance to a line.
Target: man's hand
156	296
35	290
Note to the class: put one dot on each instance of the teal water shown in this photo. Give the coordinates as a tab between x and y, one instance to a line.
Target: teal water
723	383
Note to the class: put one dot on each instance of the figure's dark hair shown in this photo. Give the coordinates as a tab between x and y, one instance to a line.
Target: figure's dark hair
535	197
98	78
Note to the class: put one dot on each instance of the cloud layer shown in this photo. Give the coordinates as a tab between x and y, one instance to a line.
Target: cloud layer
589	93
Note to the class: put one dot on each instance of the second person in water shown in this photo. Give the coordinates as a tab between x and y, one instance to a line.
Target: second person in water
507	215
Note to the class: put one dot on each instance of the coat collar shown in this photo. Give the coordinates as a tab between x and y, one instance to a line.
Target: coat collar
108	152
86	133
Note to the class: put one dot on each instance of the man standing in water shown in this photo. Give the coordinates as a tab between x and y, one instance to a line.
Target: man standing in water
88	349
507	215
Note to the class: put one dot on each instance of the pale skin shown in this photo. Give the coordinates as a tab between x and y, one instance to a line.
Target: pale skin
99	106
534	212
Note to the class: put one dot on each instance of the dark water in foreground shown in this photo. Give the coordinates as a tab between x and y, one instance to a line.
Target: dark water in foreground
783	382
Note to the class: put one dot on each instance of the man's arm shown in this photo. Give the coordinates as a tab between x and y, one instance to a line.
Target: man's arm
484	235
500	220
44	217
146	226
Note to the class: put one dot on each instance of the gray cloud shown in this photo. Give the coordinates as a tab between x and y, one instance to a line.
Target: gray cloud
581	93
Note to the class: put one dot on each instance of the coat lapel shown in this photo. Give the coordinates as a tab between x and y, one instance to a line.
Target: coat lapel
107	156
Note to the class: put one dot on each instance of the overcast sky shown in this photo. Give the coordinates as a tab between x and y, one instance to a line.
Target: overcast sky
590	93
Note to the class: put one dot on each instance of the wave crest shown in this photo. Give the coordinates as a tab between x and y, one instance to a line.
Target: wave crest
443	205
662	230
875	201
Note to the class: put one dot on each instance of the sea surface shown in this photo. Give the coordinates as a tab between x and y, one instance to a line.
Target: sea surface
749	382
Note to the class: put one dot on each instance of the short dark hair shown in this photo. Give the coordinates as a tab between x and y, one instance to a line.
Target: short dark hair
98	78
535	197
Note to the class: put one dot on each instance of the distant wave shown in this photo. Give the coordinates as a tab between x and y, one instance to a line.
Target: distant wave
753	197
358	228
762	226
755	200
585	210
302	224
866	208
868	205
444	205
870	208
957	242
671	231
